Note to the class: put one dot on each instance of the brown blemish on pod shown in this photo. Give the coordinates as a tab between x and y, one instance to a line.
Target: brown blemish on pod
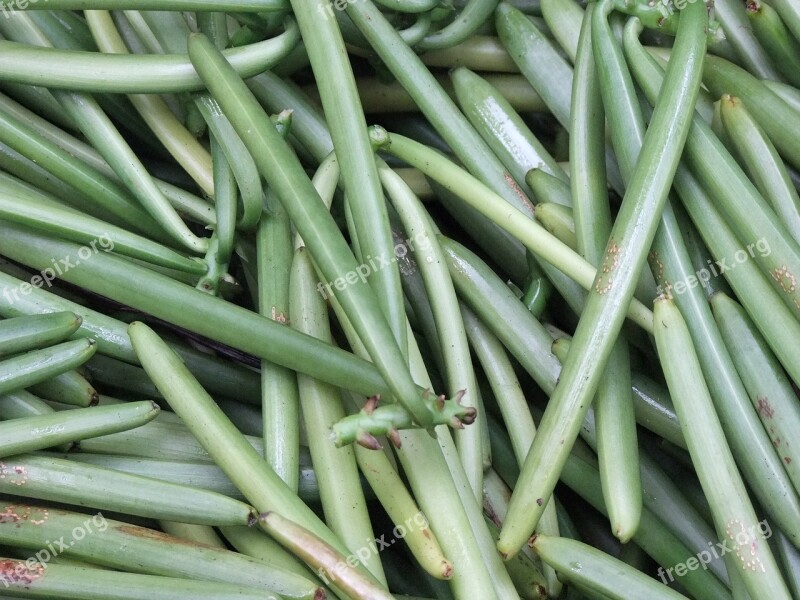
17	571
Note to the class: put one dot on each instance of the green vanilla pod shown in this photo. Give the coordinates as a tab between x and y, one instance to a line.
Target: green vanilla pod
44	431
36	331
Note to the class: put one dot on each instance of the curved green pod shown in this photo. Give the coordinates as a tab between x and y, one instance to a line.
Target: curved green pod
537	58
224	443
85	229
762	162
734	515
504	314
44	431
512	220
739	33
69	387
36	331
321	407
20	404
766	382
77	583
322	557
131	548
35	366
626	252
777	40
474	14
778	118
186	471
598	572
68	482
131	74
502	128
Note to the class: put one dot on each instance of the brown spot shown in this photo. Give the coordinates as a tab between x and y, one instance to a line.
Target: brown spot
17	571
320	594
518	191
447	570
787	460
539	501
764	409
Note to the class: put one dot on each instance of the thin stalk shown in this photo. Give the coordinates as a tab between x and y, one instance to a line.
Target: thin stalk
69	387
36	331
359	176
47	430
131	74
613	288
733	513
321	405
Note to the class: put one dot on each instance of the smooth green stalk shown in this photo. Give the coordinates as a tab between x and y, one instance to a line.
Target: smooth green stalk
762	162
325	559
480	197
497	306
749	440
564	18
774	320
557	219
242	329
331	253
513	406
22	404
474	14
252	541
430	261
279	400
68	482
131	74
786	92
537	58
359	176
47	430
78	583
779	119
239	159
69	387
114	544
84	229
790	14
25	370
769	389
617	446
342	499
782	48
613	288
101	191
502	128
198	534
432	100
402	509
653	536
733	513
739	33
234	455
36	331
181	144
189	473
598	571
478	53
